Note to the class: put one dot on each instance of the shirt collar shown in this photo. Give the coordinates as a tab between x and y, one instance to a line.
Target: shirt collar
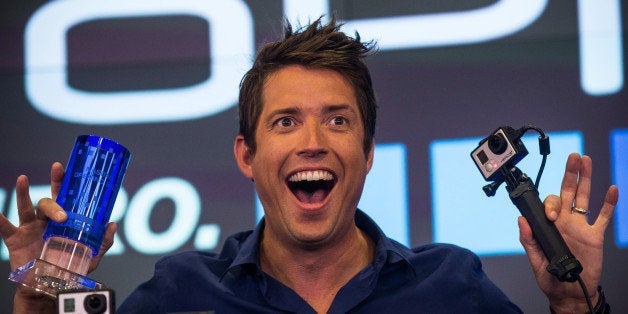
247	246
387	251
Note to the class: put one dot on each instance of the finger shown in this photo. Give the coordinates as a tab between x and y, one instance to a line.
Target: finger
606	213
24	204
570	182
530	245
56	178
552	207
583	192
107	243
47	208
7	229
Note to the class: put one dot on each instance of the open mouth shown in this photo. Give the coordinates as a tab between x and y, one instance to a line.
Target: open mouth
311	186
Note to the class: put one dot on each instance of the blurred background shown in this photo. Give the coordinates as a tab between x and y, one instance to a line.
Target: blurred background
161	78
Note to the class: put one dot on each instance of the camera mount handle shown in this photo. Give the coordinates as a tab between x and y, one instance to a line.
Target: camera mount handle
524	194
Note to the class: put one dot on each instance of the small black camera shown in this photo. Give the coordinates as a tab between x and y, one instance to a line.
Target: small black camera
503	148
86	302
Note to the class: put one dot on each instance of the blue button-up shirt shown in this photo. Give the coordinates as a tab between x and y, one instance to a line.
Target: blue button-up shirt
434	278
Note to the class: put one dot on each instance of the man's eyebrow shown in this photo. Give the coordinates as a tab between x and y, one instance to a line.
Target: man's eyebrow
296	109
338	107
283	111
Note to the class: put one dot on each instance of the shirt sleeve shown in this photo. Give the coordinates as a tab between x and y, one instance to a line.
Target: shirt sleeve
491	298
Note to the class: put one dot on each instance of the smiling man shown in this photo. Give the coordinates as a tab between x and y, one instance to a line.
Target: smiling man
309	167
307	119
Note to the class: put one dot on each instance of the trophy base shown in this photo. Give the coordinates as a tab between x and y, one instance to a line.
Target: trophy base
51	279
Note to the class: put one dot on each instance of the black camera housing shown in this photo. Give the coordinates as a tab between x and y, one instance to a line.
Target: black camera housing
500	150
86	302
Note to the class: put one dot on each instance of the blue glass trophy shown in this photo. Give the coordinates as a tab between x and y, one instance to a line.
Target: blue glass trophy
90	185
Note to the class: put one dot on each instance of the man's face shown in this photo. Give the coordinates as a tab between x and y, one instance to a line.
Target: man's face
309	167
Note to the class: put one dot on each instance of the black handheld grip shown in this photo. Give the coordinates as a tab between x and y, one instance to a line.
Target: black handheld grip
562	263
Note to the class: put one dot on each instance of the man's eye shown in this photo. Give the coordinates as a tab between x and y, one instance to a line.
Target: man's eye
338	121
285	122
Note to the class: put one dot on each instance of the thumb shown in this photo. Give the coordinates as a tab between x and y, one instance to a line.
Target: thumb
553	205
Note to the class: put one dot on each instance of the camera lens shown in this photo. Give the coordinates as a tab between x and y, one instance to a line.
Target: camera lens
95	303
497	143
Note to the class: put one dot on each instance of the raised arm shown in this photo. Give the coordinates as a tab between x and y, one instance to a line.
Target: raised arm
585	239
25	241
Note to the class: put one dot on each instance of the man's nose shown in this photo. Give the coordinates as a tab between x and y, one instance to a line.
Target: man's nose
313	140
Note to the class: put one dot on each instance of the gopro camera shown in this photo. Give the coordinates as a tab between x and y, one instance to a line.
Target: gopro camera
86	302
501	149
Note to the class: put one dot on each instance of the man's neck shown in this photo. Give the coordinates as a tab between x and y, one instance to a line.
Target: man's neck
316	274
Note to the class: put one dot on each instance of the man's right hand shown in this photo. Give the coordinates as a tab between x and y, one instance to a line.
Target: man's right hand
25	241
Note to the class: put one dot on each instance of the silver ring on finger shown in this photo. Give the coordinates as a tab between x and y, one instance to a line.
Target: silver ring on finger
580	211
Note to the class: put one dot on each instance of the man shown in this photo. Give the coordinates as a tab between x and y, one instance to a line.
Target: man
307	120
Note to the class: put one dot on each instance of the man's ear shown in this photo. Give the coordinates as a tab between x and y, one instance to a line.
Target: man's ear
243	156
369	157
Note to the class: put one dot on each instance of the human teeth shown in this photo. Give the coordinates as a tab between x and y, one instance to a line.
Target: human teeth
311	176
